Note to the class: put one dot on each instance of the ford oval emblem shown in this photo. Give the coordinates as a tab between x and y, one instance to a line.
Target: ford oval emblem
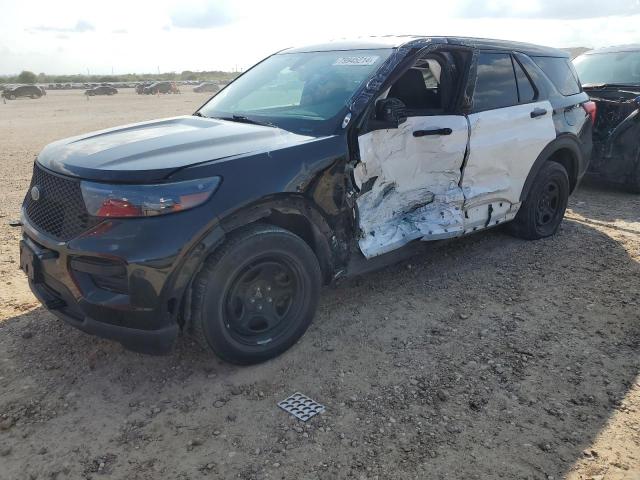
35	194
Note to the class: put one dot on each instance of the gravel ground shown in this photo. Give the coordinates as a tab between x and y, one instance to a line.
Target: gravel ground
487	357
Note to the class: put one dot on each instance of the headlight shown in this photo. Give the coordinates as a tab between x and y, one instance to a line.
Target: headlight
117	201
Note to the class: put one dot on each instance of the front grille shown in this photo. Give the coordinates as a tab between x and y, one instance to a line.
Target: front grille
59	211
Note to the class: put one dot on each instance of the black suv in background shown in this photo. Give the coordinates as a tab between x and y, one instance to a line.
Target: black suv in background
159	87
101	90
30	91
206	87
226	223
611	76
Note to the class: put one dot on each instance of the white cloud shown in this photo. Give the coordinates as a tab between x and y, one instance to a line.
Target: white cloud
551	9
176	35
81	26
202	14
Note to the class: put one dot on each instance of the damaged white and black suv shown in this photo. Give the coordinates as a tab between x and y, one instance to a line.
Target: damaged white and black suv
226	223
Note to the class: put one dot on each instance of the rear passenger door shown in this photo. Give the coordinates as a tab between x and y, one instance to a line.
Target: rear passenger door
510	125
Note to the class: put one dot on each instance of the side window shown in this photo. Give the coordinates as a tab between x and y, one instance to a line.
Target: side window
526	91
419	87
561	73
495	83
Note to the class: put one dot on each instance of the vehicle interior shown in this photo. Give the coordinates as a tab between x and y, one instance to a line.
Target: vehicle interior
429	87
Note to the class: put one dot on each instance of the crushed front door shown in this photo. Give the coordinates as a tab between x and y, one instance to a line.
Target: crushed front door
409	182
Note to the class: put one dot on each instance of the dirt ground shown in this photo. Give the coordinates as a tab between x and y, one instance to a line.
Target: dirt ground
487	357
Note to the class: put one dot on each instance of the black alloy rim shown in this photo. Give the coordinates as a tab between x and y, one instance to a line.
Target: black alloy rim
262	300
548	205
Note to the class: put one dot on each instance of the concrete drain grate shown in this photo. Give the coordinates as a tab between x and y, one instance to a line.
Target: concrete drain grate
301	406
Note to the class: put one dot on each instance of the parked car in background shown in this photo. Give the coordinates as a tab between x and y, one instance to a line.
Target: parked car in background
611	77
224	224
30	91
160	87
206	87
101	90
141	86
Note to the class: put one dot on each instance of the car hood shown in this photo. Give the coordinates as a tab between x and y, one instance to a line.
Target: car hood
151	151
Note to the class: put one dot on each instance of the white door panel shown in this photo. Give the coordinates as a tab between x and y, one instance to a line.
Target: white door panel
416	190
504	144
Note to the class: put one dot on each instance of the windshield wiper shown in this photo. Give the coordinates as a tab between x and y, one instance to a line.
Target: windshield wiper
243	119
198	114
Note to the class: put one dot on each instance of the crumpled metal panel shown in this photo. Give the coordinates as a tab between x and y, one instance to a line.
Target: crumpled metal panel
410	186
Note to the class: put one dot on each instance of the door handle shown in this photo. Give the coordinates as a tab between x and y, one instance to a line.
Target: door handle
538	112
436	131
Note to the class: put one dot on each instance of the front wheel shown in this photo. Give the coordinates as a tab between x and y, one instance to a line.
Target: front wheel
542	211
257	295
635	181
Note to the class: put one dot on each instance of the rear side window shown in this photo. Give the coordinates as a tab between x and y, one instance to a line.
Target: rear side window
495	83
561	73
526	91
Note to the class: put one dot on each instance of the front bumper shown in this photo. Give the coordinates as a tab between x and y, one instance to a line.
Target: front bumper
156	342
123	280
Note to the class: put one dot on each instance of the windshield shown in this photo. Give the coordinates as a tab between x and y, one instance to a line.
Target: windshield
614	67
301	92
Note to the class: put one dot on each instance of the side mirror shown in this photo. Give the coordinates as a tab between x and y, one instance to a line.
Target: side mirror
390	113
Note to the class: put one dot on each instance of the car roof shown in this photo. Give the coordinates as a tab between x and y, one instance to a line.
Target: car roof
633	47
395	41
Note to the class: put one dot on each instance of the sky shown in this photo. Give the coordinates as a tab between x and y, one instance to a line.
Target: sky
101	37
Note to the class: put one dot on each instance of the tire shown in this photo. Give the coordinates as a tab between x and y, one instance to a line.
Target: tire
634	187
12	97
256	295
542	212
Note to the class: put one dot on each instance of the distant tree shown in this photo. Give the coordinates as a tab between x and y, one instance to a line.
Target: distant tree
188	75
27	77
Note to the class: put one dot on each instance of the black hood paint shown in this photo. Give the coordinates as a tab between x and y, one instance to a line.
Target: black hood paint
151	151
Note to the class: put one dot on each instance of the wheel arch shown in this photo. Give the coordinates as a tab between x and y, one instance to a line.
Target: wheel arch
564	150
292	212
296	214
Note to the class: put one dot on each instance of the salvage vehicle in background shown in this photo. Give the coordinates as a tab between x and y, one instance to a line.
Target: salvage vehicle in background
611	76
206	87
101	90
160	87
141	86
226	223
30	91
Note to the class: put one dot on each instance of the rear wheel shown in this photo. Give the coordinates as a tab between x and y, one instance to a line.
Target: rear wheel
12	97
542	211
257	295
